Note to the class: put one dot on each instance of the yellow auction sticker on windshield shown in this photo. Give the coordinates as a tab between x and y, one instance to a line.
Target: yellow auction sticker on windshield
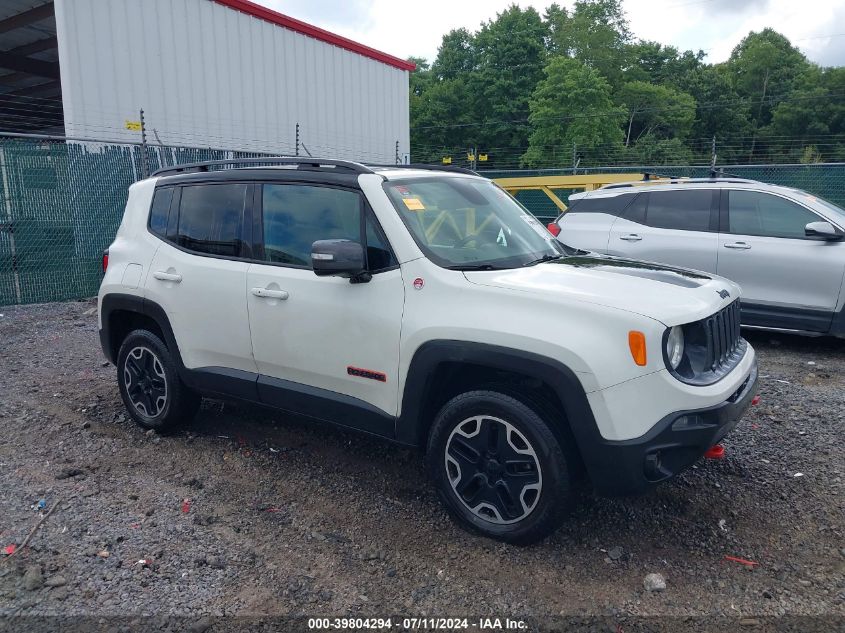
413	204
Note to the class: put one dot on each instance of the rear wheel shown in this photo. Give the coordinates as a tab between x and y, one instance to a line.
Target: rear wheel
499	468
150	386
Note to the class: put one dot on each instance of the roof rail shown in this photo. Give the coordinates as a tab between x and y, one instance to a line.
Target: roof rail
435	167
314	164
672	181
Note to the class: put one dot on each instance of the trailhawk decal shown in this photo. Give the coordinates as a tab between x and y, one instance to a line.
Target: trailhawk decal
366	373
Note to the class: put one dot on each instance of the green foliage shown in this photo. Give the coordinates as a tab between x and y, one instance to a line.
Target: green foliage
526	87
656	110
597	34
765	64
456	55
511	54
572	105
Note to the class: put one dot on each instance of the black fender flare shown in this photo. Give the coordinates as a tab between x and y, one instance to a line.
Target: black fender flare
412	428
133	303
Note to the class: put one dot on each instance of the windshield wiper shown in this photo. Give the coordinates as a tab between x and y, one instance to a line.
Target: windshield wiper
544	258
475	267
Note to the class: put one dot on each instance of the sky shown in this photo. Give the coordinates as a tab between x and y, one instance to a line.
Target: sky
404	28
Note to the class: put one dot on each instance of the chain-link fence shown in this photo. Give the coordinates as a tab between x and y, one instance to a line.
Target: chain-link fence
61	204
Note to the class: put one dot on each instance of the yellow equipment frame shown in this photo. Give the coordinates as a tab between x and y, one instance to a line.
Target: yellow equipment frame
546	184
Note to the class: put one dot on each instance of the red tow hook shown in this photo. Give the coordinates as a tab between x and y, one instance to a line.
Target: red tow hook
715	452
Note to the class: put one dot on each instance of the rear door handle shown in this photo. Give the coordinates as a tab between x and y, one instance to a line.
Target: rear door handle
163	276
739	246
270	294
633	237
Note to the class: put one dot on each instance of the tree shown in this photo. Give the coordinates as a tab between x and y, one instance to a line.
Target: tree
812	115
596	33
441	121
764	64
660	111
571	105
651	150
511	53
658	64
456	55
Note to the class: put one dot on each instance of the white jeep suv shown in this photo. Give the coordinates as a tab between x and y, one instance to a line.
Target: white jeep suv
425	306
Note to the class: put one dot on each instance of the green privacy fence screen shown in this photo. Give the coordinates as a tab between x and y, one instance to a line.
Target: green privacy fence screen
61	204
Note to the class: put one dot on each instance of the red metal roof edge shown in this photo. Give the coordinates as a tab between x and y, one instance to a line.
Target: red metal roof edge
317	33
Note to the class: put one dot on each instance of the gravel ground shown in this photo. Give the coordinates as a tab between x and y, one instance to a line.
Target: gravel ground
251	512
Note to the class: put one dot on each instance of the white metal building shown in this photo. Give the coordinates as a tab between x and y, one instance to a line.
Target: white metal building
226	74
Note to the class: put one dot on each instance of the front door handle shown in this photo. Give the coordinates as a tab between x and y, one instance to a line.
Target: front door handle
266	293
163	276
739	246
632	237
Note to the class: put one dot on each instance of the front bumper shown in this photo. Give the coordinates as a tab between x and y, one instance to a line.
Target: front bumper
626	467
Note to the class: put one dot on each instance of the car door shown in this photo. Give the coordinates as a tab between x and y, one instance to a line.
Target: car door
677	227
198	275
324	344
788	280
586	223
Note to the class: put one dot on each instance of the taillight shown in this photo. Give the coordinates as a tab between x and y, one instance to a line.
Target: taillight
554	229
105	259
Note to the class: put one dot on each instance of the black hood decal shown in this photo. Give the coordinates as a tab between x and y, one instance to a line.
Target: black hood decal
646	270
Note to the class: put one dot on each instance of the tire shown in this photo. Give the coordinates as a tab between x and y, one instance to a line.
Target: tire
149	382
499	468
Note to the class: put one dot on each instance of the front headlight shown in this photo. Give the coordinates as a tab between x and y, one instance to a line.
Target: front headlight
675	346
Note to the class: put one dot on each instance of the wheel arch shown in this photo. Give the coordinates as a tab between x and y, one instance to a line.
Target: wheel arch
122	313
441	369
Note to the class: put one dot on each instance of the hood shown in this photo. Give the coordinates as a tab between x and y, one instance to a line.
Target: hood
670	295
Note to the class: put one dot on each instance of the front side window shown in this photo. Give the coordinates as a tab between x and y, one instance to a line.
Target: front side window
679	210
762	214
210	219
465	223
296	216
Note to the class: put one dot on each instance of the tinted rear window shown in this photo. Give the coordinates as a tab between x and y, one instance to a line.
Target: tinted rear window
612	205
160	210
210	218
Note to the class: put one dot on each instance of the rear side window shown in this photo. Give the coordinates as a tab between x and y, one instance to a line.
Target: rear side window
296	216
688	210
612	205
210	218
160	211
756	213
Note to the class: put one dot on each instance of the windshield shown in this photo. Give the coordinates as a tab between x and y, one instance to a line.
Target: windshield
467	224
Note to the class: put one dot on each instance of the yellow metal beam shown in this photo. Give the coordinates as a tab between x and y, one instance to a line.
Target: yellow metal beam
553	197
583	181
587	182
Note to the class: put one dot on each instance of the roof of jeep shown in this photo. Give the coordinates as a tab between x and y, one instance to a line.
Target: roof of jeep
250	168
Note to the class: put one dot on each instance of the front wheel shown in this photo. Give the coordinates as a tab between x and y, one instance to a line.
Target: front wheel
499	468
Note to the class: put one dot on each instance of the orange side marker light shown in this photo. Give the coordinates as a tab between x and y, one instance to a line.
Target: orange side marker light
636	341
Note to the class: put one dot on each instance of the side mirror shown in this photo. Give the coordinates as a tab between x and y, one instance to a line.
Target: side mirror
824	230
342	258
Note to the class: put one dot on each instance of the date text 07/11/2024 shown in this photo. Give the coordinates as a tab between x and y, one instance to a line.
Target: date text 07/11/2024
418	623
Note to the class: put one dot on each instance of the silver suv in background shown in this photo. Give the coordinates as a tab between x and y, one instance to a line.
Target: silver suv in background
783	246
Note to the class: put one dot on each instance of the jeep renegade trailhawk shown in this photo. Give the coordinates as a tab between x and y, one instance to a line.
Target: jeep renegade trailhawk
426	306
